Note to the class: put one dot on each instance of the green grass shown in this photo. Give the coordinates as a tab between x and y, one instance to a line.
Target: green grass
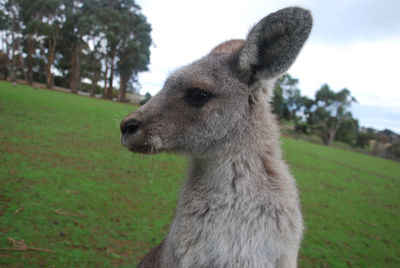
61	151
351	206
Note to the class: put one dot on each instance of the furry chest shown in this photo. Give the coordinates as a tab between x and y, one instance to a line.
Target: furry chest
235	234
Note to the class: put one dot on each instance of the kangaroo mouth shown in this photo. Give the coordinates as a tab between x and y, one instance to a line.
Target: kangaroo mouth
143	149
138	143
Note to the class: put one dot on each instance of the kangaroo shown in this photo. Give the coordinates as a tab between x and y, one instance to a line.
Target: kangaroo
239	205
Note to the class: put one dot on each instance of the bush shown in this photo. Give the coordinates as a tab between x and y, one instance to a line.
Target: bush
85	87
148	97
301	127
362	140
61	81
394	149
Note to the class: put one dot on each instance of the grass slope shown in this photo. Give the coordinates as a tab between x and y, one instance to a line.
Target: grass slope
60	154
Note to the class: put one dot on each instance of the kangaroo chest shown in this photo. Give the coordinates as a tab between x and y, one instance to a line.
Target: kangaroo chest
225	230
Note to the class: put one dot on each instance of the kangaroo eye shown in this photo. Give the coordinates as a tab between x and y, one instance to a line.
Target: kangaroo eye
197	97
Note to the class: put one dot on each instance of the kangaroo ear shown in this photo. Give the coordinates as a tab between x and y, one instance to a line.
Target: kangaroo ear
273	44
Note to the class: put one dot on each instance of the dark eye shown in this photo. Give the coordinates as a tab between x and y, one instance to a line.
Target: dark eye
197	97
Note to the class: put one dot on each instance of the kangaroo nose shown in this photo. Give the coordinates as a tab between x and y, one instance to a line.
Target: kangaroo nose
130	126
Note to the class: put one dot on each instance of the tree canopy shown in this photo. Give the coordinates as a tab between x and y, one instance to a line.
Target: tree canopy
77	40
327	115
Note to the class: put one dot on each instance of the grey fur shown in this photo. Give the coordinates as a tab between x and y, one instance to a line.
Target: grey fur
239	205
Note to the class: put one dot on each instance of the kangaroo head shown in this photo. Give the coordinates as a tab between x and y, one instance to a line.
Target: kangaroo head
209	106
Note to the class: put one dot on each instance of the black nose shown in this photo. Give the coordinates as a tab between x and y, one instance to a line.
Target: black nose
130	126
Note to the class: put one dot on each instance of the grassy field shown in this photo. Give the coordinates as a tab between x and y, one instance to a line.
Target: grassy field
67	185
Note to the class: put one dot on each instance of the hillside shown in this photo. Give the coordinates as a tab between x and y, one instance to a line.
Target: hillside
67	185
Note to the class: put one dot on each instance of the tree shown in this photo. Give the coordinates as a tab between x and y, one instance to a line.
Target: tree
94	53
127	40
394	149
79	21
4	64
4	24
3	19
307	120
286	99
11	16
331	110
52	18
31	20
348	131
278	102
147	97
109	16
91	68
134	52
96	38
363	139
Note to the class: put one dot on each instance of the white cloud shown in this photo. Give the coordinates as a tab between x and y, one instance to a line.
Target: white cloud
344	20
368	69
354	44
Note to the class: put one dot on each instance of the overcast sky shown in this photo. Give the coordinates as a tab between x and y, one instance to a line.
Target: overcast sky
354	44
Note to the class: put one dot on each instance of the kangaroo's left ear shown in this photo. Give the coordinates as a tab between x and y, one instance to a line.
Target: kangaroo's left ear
273	44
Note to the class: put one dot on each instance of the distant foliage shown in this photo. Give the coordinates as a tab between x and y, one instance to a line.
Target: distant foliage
328	117
331	110
395	149
286	99
146	99
83	40
362	140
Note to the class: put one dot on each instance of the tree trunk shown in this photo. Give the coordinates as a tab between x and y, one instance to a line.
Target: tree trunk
49	78
328	139
23	68
94	84
72	84
5	72
330	135
21	61
122	89
75	67
105	79
78	66
4	62
31	50
110	82
50	61
13	74
332	132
